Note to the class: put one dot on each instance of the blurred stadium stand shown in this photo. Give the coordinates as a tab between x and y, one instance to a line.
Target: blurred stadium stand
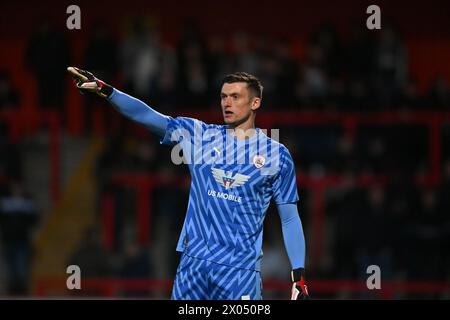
366	115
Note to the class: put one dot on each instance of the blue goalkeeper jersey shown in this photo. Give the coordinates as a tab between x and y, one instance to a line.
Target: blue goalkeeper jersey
233	182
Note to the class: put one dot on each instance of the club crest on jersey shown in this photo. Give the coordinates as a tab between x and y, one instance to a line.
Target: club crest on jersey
259	161
227	180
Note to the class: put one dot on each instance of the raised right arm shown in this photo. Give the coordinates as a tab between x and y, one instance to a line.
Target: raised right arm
129	106
139	112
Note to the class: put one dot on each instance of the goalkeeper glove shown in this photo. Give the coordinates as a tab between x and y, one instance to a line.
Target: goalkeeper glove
87	82
299	288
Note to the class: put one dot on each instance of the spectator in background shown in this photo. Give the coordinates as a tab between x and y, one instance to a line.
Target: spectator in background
428	222
438	96
360	54
220	62
347	205
313	78
101	54
166	82
408	98
47	59
391	66
9	97
287	73
193	76
92	258
358	98
358	64
140	54
11	166
18	220
143	156
371	152
270	66
327	39
245	57
337	98
135	264
375	234
402	201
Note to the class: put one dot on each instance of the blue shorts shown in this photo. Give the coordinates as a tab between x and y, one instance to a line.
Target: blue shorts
198	279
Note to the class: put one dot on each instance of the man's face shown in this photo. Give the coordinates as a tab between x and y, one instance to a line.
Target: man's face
237	103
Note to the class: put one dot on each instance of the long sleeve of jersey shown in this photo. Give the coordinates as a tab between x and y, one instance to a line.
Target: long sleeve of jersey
294	239
139	112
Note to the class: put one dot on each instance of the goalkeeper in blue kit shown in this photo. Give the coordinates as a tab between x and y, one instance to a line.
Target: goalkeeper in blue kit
236	170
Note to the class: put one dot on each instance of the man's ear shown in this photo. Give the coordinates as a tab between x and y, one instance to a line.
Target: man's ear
256	103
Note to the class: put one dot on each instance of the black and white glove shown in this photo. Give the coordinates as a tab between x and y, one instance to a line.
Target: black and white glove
87	82
299	288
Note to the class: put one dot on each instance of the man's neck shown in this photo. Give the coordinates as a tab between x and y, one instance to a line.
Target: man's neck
245	130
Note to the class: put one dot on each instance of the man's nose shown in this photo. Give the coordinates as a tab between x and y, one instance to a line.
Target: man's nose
228	102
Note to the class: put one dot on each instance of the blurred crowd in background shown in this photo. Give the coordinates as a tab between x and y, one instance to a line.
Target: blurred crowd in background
368	72
399	225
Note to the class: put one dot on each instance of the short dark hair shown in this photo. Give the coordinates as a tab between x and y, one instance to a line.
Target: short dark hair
253	83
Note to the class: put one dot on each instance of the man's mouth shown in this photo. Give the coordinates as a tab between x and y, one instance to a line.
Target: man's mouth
228	113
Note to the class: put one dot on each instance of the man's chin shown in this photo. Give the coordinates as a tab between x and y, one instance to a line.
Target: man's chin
233	122
228	121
